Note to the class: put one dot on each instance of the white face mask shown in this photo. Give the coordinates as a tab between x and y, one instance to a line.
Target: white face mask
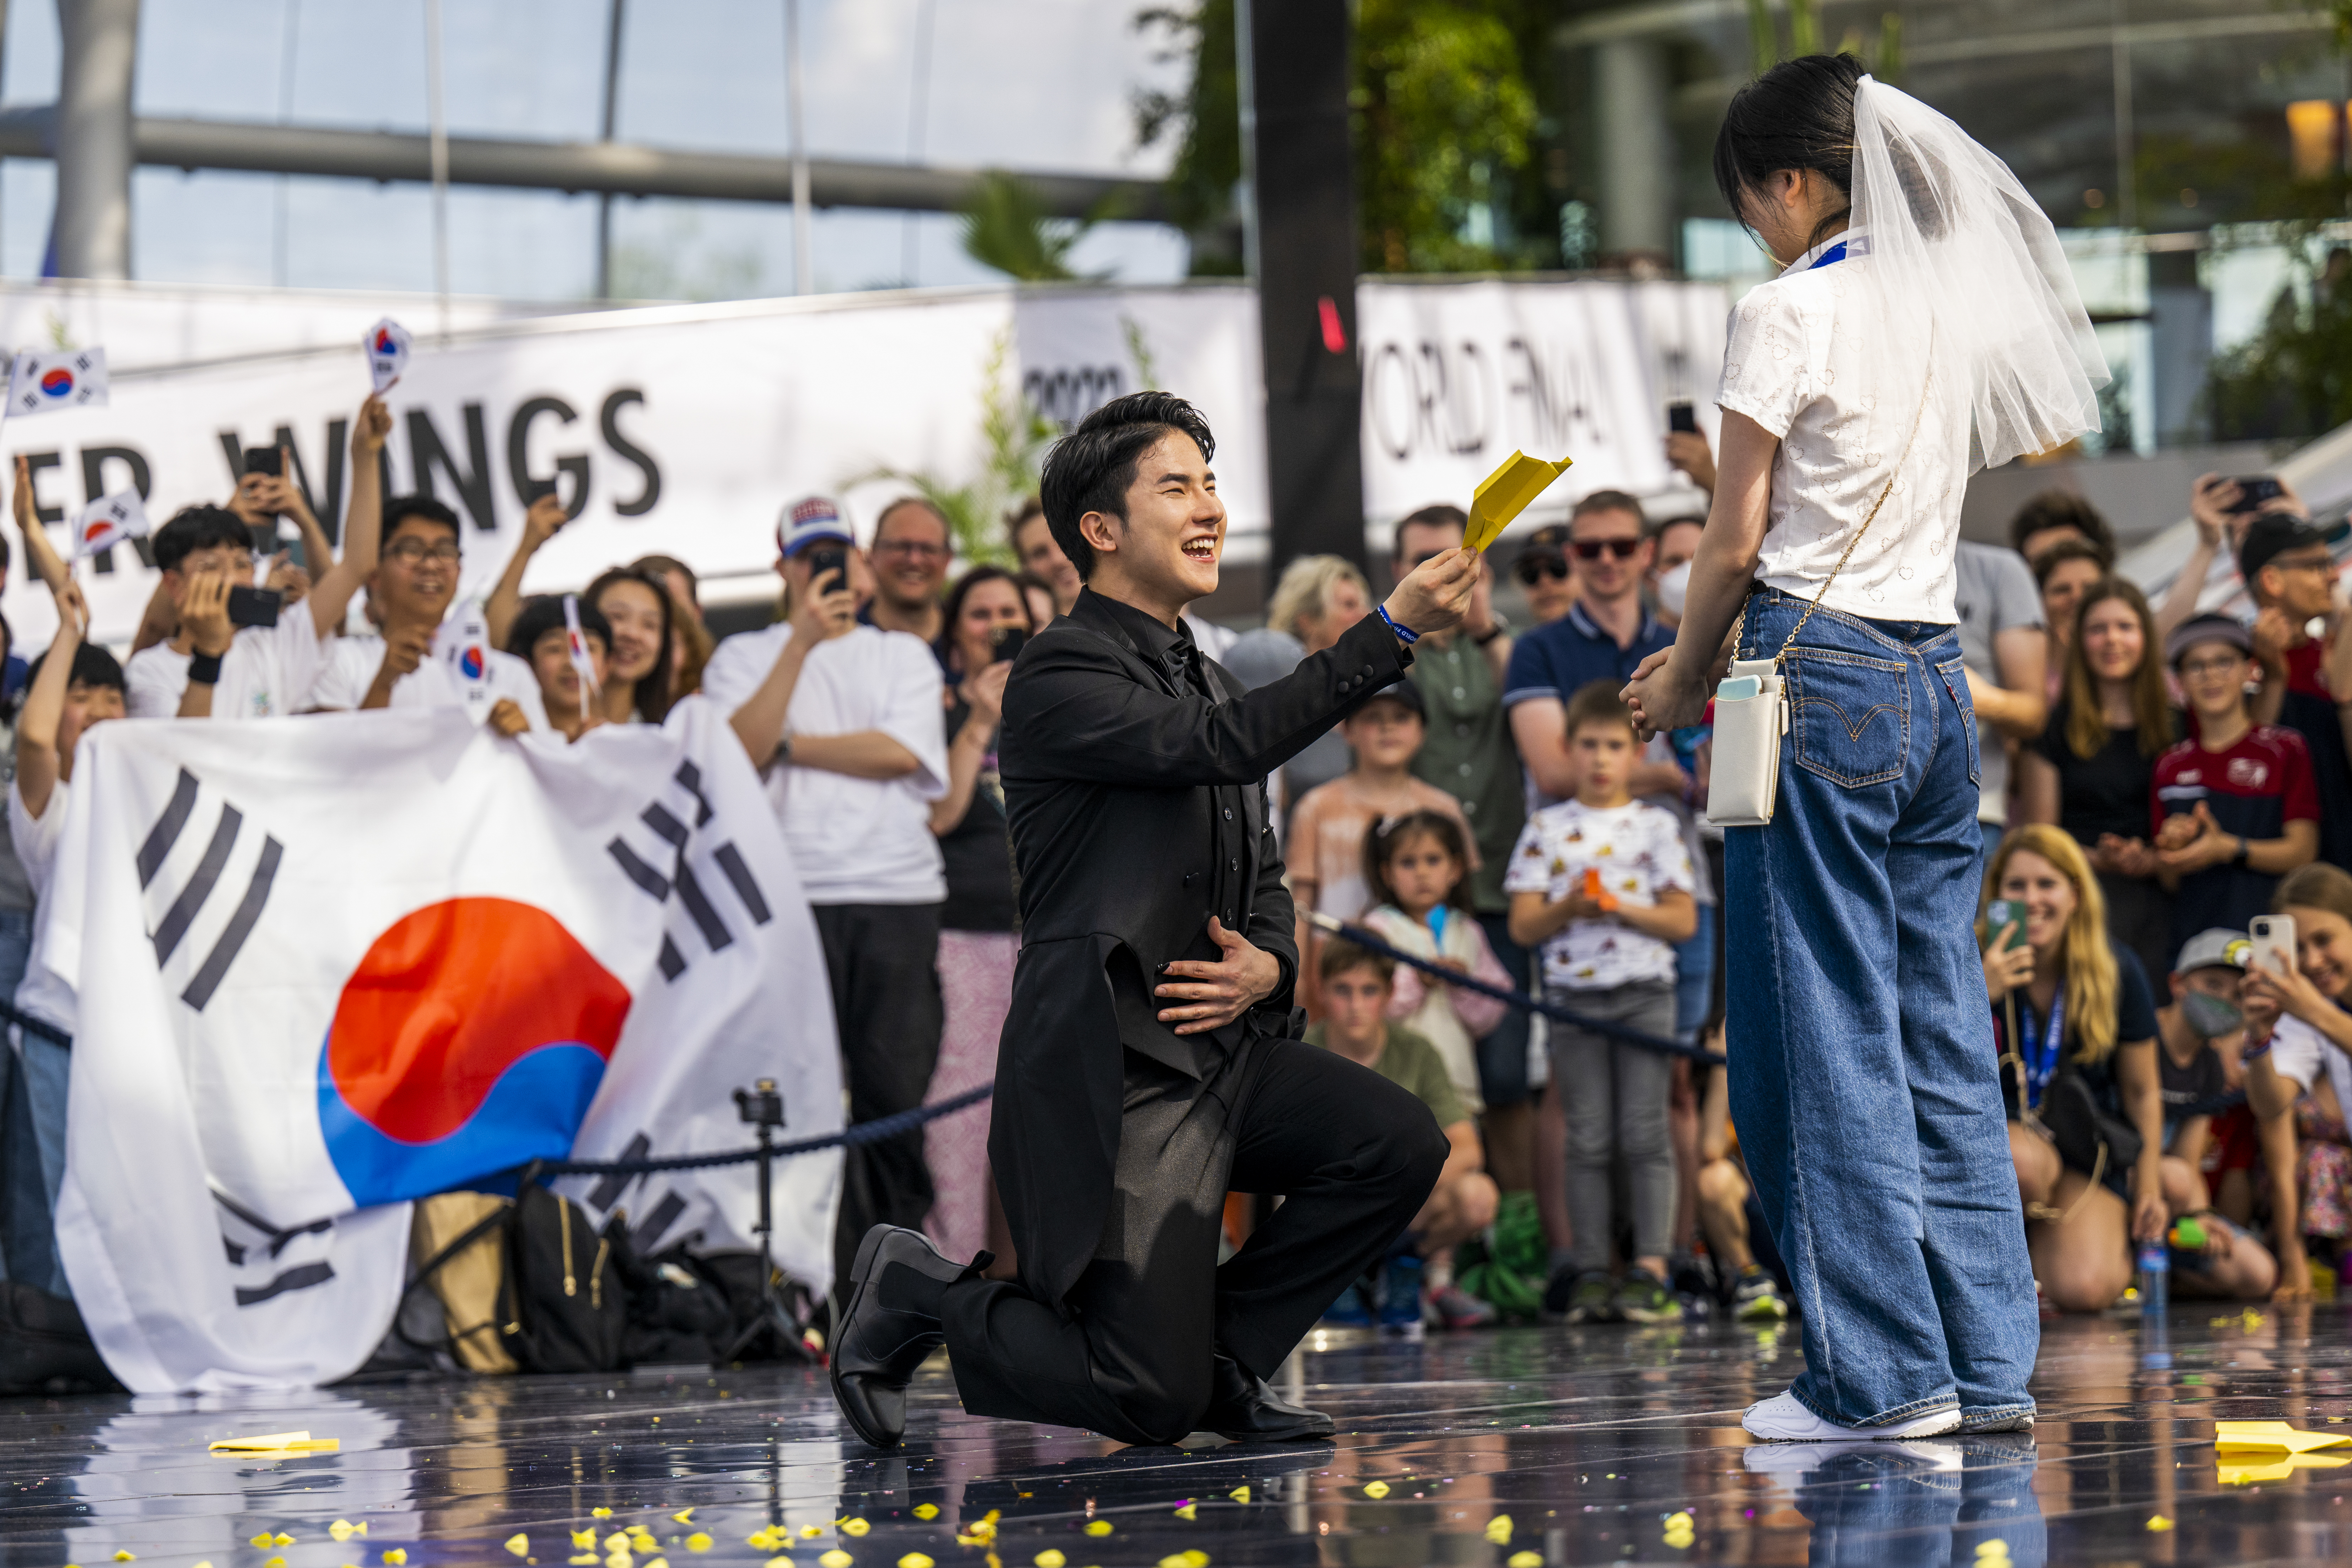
1673	584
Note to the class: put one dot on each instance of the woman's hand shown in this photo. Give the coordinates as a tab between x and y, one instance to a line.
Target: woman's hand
1662	697
2148	1212
2006	968
2284	989
984	693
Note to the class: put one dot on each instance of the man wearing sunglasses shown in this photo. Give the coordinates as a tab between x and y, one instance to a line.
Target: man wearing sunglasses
1546	575
2290	573
1605	634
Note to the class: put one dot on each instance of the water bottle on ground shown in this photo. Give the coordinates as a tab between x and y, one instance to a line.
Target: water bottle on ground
2155	1296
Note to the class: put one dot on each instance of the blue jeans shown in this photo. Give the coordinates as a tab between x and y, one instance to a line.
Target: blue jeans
1694	976
1862	1073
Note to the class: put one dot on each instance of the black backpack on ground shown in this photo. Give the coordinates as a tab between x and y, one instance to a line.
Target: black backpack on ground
44	1347
561	1303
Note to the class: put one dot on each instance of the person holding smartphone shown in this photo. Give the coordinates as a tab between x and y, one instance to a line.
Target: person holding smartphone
1861	388
985	622
237	654
843	722
2306	1073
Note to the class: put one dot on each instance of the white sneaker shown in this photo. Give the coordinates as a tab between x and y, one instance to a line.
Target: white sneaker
1920	1454
1781	1419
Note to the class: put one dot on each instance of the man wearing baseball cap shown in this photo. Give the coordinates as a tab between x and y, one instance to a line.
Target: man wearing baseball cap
842	720
2234	808
2290	575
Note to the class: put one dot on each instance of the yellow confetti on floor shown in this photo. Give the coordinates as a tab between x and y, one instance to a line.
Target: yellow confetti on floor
1993	1550
262	1540
1099	1527
2158	1521
1498	1530
926	1510
777	1562
698	1541
836	1558
1240	1494
584	1560
281	1539
684	1516
396	1556
1049	1558
617	1542
519	1543
914	1560
854	1527
1524	1559
125	1557
1188	1512
344	1530
809	1532
600	1513
1376	1490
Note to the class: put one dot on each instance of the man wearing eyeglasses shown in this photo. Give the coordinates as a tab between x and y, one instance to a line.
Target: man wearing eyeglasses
911	552
409	592
2290	575
1605	634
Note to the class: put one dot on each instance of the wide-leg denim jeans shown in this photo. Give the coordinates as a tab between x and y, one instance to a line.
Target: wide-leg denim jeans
1864	1079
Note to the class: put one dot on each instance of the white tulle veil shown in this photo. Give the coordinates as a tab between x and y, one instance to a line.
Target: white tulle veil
1965	259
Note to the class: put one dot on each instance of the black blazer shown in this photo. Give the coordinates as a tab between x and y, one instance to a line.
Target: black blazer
1137	808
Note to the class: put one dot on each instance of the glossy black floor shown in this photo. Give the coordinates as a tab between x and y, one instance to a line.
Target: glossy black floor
1514	1448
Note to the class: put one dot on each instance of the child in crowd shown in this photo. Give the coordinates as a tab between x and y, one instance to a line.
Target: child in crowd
2192	1033
1359	988
1418	867
1603	883
541	637
2236	807
1325	842
2307	1071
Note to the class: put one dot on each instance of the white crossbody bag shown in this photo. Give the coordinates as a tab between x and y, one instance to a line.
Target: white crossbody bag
1751	705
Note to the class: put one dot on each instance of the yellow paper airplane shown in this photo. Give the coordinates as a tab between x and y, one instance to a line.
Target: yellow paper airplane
1505	493
2278	1469
277	1443
2254	1436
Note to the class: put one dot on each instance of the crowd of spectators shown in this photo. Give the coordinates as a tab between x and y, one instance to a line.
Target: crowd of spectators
2154	780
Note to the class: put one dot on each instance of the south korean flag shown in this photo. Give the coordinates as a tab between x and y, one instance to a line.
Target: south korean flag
108	521
53	382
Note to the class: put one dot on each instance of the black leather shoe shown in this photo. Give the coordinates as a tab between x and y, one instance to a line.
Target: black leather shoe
882	1337
1243	1407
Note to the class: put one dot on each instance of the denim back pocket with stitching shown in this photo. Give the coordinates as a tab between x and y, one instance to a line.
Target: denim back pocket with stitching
1954	673
1850	714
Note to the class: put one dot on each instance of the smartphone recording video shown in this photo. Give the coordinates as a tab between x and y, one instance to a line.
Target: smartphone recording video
1008	643
265	461
251	606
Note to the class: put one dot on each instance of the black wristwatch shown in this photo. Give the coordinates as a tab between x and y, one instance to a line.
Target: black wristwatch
1480	639
2240	857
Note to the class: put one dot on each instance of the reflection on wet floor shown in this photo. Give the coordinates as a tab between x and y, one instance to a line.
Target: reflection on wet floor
1514	1448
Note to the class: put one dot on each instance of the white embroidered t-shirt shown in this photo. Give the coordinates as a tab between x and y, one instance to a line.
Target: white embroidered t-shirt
1811	358
1638	850
35	838
266	674
351	669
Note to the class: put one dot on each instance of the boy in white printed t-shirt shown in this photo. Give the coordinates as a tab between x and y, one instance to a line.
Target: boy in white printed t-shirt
211	669
1603	884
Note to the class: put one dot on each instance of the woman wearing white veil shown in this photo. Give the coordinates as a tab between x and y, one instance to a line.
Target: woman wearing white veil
1925	325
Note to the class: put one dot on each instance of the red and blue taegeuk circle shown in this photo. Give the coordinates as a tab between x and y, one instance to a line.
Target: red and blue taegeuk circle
472	1037
58	382
471	663
384	344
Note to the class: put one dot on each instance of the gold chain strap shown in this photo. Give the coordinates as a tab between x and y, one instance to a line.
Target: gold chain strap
1926	387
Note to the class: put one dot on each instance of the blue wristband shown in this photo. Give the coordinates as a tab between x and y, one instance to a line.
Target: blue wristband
1404	635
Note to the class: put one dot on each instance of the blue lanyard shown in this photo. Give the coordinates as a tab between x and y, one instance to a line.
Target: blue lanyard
1437	918
1834	253
2041	1055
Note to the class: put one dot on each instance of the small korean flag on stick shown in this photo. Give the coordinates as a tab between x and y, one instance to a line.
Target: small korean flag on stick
108	521
465	642
388	352
591	690
47	384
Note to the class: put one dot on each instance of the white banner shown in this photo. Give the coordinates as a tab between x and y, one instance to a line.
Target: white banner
326	967
684	429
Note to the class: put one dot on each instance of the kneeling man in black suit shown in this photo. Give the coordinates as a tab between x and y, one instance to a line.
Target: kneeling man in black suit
1151	1058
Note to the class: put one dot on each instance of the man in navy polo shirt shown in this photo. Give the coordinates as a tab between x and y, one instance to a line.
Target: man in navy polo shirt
1604	634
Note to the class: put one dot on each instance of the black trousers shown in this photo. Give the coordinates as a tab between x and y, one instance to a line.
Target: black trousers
883	961
1354	1157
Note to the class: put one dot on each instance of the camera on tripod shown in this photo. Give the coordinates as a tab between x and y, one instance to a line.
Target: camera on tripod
760	1105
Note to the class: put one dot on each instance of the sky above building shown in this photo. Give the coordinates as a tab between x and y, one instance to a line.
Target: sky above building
1018	84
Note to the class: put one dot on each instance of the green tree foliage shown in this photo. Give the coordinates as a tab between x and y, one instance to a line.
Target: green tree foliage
1005	226
1443	119
1206	121
2293	380
1883	53
1013	436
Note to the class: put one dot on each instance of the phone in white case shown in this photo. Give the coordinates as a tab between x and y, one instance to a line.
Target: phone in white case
2272	948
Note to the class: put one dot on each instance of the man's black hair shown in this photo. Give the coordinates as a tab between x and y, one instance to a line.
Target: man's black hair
400	508
199	527
1090	468
544	613
92	665
2062	509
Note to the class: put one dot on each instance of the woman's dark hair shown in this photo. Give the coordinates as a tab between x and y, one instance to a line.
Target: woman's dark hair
1090	469
951	611
1388	835
543	612
1798	115
2046	565
652	697
2062	509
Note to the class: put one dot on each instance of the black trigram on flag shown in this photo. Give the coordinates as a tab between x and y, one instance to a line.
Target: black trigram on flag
680	878
257	1253
188	902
